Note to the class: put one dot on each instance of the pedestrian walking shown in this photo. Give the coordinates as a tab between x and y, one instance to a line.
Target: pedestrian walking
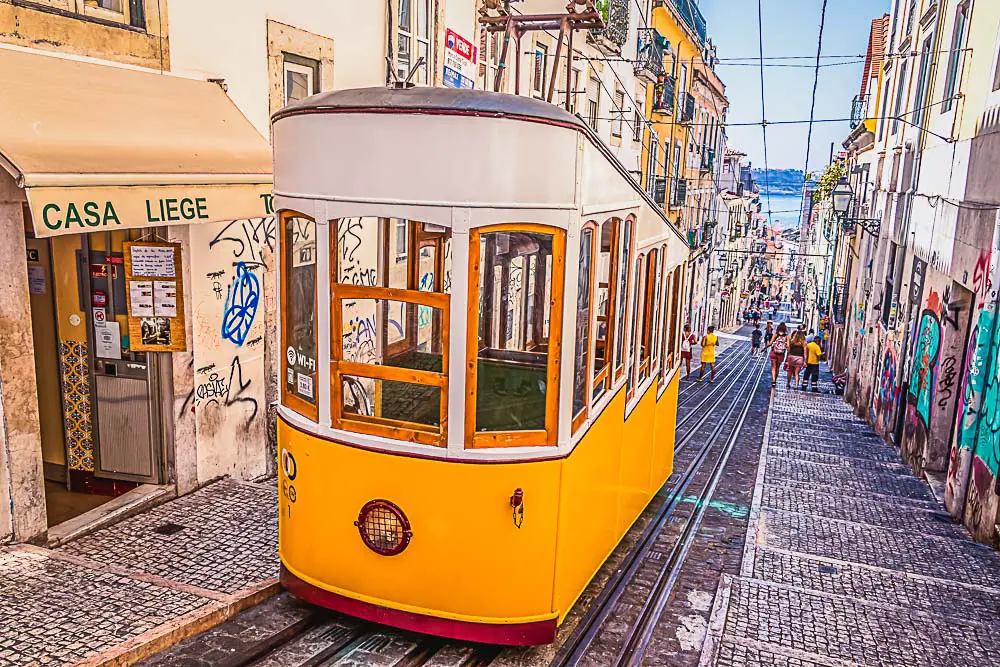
708	343
811	336
813	355
769	330
756	338
779	347
687	341
796	357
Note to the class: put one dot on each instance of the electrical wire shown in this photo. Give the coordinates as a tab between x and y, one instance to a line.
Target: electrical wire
812	107
763	105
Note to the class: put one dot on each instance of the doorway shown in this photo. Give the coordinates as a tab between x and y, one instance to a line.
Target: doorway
98	400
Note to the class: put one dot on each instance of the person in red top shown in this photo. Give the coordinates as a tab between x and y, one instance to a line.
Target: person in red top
687	341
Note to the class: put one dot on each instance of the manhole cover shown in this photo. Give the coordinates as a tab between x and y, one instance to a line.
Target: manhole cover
168	528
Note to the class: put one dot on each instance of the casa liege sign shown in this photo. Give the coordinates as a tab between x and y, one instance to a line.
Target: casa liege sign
64	211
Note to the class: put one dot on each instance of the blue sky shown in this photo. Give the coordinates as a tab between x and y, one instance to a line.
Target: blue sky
790	28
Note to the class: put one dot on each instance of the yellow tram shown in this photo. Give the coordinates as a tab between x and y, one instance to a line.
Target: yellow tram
479	309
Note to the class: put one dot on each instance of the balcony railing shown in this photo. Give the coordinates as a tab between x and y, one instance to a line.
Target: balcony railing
859	110
685	102
689	12
616	18
663	95
651	51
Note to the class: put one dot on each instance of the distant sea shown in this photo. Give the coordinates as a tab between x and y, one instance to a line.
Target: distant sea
784	209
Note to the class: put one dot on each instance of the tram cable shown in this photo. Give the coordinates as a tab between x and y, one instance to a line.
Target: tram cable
763	107
812	107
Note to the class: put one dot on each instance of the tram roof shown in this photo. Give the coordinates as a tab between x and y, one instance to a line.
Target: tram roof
433	100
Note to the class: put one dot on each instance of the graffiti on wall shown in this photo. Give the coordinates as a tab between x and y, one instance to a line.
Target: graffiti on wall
884	396
231	264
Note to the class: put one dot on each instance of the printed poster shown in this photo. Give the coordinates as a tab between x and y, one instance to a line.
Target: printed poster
155	293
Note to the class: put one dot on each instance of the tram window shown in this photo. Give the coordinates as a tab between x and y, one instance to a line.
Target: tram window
651	292
584	298
519	276
298	301
638	301
621	323
390	327
604	288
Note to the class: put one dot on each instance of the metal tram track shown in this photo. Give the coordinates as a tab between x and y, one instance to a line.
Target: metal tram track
328	639
734	354
640	632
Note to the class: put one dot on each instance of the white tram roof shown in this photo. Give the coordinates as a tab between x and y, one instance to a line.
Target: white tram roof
423	152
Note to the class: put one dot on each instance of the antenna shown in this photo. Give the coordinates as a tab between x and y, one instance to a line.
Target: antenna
401	84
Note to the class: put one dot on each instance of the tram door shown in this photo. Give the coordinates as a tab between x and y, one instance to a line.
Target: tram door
126	419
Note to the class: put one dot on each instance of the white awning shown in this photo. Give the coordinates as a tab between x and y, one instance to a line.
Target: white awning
100	147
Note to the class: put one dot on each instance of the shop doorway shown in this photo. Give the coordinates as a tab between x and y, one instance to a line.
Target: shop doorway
99	402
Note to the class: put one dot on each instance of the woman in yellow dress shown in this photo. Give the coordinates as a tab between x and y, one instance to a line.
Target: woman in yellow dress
708	343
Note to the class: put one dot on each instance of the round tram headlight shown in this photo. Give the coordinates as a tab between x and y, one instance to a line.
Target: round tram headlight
383	527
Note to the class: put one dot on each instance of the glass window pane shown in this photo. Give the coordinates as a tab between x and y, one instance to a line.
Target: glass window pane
391	333
403	14
422	72
423	12
299	308
374	252
583	298
605	312
391	399
403	57
620	322
513	358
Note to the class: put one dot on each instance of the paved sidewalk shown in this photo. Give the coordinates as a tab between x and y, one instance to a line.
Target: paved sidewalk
134	588
849	559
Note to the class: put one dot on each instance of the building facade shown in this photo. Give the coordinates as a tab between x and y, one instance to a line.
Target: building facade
921	294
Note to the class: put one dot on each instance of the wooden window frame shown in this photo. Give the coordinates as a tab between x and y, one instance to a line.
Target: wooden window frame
605	373
652	308
581	417
376	425
289	400
628	225
496	439
633	343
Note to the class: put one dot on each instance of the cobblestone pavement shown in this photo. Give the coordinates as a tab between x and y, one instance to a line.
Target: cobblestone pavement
849	559
149	581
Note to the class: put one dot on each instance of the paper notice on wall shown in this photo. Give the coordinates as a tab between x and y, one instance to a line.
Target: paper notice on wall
140	294
165	298
36	280
109	340
153	261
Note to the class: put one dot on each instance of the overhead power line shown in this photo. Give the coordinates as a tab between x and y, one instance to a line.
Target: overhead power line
812	107
763	105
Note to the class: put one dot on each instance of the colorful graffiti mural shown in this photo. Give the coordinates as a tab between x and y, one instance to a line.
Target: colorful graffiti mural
884	396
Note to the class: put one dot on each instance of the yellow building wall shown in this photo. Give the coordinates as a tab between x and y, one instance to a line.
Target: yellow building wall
97	33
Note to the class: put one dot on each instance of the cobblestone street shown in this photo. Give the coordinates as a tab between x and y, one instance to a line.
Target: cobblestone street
133	588
850	559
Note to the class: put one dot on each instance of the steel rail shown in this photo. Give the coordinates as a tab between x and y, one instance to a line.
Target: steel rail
726	359
593	622
641	633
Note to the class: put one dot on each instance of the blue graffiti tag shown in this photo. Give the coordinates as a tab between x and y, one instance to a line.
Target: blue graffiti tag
241	305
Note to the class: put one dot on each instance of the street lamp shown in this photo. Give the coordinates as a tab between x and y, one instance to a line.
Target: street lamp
842	195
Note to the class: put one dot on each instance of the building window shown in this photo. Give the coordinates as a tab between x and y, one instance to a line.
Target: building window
110	5
491	46
512	381
300	75
298	315
900	92
920	103
541	70
413	38
910	15
884	111
574	90
619	122
956	57
593	102
652	163
389	328
637	118
584	301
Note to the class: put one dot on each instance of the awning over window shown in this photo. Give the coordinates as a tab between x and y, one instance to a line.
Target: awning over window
99	147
